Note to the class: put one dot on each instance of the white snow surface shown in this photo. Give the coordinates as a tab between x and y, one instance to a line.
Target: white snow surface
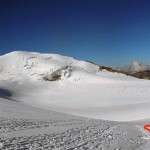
83	89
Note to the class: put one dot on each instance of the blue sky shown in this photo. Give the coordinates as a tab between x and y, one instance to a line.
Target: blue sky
108	32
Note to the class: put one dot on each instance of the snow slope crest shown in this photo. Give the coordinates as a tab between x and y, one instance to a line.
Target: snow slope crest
37	66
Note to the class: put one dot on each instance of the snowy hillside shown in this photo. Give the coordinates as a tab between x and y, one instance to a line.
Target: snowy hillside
63	84
36	66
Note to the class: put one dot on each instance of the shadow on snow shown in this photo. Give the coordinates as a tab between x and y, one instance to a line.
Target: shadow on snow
6	94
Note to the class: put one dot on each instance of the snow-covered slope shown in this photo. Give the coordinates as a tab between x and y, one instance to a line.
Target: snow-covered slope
70	86
35	66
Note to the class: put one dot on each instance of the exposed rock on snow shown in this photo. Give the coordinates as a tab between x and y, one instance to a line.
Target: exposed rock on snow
60	74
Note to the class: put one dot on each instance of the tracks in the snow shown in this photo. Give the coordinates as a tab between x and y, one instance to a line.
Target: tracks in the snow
68	135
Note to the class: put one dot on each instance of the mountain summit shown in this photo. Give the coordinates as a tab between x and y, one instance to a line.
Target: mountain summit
50	67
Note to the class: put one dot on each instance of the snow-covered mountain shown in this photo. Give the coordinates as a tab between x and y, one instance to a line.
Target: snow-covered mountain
134	67
67	85
20	66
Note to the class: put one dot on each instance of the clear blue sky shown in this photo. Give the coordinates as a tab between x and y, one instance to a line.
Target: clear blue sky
108	32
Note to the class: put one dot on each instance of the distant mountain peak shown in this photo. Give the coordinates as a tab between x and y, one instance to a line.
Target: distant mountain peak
24	65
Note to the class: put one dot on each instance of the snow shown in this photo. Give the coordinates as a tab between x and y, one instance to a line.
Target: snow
83	89
39	114
26	127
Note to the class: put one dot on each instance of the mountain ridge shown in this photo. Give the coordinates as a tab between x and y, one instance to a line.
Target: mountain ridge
47	66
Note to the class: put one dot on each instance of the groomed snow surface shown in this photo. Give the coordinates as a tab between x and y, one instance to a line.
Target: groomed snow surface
41	96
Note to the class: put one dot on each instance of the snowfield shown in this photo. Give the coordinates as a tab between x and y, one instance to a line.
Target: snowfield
63	84
23	127
54	102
